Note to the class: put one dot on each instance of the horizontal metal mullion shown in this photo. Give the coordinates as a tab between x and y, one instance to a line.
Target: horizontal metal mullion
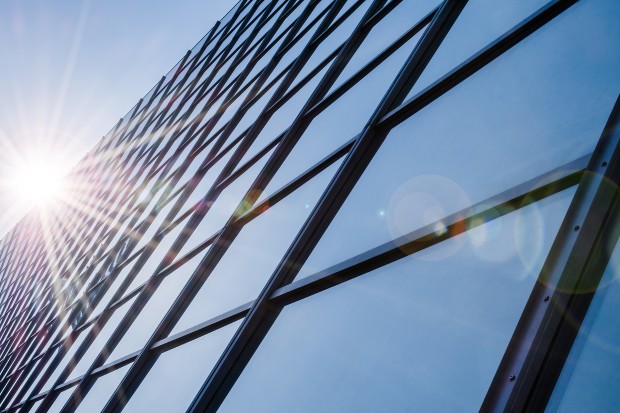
475	63
479	214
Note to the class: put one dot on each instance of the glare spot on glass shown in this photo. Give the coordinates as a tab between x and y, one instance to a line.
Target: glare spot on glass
440	228
423	201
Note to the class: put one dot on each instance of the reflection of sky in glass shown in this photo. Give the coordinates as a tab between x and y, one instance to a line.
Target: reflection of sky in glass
589	380
538	106
102	338
60	401
386	31
101	391
415	335
153	312
480	22
254	254
177	375
342	120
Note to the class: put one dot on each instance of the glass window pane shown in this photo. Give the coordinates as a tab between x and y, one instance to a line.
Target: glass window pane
65	360
120	277
542	104
254	254
589	379
404	16
101	391
283	117
36	406
153	312
224	206
256	109
157	257
157	223
206	182
480	22
341	121
176	377
32	370
340	35
298	45
424	333
60	401
102	338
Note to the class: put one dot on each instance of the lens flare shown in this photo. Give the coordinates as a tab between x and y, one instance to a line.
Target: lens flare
38	181
425	201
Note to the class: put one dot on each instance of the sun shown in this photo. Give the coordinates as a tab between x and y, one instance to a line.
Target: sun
37	181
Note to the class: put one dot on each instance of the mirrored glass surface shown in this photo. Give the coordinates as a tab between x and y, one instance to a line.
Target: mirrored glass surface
178	374
336	38
101	391
541	105
398	21
60	401
118	280
341	121
283	117
207	180
424	333
589	379
479	24
158	256
254	254
102	338
67	358
153	312
224	206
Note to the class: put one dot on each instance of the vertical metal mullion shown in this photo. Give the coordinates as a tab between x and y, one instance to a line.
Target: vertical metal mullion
139	363
231	124
568	282
61	353
263	313
177	110
265	15
113	340
214	63
264	116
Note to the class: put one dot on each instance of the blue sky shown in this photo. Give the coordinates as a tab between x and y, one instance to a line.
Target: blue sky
70	69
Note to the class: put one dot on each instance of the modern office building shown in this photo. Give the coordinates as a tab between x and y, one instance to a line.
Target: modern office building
342	206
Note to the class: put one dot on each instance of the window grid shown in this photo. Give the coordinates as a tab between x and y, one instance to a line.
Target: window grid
49	289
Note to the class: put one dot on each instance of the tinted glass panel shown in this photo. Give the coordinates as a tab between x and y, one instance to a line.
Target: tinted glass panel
425	333
254	254
510	122
101	391
65	360
335	39
120	277
102	338
156	259
157	306
60	401
589	379
283	117
224	206
384	33
177	375
480	22
341	121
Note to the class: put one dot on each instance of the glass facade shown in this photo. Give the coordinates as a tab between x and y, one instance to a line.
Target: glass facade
339	205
